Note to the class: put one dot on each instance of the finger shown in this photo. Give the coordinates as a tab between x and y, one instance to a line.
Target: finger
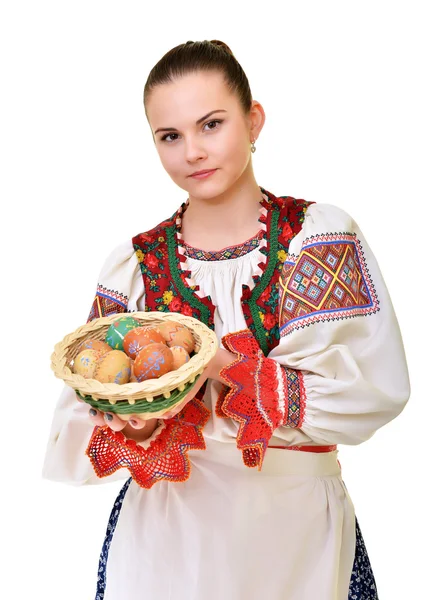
114	422
133	420
137	423
96	416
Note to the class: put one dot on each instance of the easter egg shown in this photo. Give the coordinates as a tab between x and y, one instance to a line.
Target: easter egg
113	367
102	347
117	331
86	362
177	334
152	361
139	337
168	329
180	356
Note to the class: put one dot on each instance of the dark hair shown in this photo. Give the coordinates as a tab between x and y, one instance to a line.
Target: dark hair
192	57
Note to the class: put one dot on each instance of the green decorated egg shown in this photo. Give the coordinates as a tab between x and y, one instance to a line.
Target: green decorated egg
117	331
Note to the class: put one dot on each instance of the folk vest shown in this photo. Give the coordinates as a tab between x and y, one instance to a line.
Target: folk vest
168	284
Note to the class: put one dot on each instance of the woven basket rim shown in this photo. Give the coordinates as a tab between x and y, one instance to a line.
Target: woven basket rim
147	389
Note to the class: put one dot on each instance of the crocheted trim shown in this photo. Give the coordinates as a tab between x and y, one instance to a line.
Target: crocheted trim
253	399
166	457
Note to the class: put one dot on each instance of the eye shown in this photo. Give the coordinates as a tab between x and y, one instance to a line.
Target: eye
218	121
215	121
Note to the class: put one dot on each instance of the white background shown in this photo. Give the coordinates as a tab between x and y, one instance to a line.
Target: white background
339	84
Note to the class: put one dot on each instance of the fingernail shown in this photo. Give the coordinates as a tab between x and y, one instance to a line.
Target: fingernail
108	416
92	412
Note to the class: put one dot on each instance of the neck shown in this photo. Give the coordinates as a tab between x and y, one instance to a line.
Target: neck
226	219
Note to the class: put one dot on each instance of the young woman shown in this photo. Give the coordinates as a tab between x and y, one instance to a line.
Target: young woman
238	494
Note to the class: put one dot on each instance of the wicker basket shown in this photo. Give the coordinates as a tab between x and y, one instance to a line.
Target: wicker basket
150	398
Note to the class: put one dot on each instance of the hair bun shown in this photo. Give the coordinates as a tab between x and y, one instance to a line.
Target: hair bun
221	45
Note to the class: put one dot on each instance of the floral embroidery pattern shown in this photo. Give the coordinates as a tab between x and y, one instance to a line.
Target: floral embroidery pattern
169	287
166	287
285	216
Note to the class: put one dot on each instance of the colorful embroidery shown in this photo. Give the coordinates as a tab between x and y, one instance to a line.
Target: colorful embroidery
328	280
169	287
166	283
294	397
107	302
226	253
284	217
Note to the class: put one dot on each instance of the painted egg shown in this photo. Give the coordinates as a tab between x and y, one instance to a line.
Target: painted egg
117	331
168	329
102	347
113	367
177	334
139	337
86	362
152	361
180	356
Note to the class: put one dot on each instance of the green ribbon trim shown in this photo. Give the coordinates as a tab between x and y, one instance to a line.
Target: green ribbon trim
187	293
122	407
264	281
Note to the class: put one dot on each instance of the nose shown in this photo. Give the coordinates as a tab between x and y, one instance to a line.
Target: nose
193	150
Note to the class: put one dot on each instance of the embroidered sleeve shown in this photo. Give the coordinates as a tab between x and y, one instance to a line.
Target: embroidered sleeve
341	370
120	286
119	289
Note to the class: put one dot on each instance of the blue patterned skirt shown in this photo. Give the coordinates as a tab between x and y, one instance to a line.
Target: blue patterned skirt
362	581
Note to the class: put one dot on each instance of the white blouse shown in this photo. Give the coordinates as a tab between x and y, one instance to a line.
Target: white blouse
352	359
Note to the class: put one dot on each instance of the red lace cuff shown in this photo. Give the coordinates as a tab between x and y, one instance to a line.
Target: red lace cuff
165	458
255	398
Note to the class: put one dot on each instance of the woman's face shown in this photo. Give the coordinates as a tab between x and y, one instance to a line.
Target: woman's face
221	141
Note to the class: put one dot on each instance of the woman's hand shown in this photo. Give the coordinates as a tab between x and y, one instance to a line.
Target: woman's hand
131	426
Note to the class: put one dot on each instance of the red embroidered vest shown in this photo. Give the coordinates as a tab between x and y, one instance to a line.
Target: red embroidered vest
167	281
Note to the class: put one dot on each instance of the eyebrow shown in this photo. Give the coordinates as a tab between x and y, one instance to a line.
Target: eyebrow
197	122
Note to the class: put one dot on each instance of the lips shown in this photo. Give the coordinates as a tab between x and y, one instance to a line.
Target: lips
201	172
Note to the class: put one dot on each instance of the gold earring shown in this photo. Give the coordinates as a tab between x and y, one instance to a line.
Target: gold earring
253	149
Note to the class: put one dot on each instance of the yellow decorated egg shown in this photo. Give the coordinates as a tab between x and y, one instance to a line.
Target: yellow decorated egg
113	367
99	345
180	356
86	362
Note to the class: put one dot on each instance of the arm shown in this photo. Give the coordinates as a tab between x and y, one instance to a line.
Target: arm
160	449
339	371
